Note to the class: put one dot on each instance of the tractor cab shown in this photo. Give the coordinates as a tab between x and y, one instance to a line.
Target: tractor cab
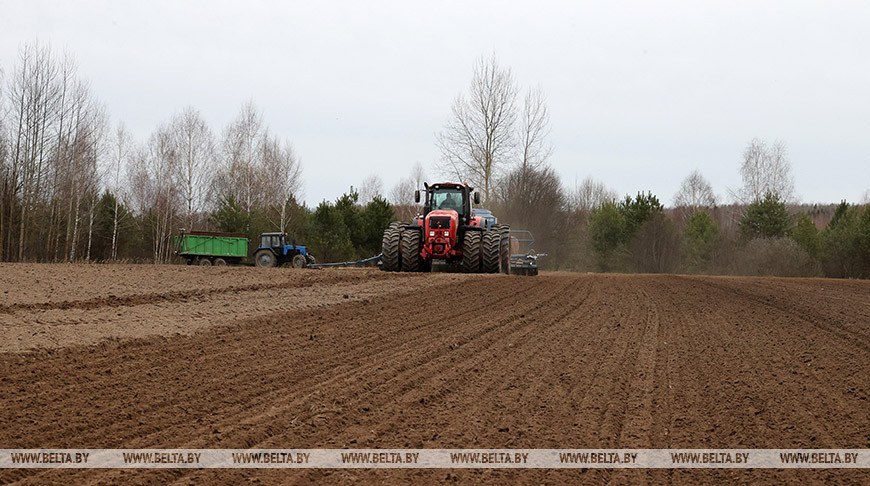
449	197
275	249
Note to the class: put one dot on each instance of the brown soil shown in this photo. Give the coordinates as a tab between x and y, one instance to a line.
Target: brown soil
242	358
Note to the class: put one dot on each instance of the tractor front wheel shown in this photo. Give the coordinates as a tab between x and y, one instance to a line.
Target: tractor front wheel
471	243
265	258
412	243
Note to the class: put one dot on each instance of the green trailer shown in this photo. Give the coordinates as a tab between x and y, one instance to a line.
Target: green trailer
210	248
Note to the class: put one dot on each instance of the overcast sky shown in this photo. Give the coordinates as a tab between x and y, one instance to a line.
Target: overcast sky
640	94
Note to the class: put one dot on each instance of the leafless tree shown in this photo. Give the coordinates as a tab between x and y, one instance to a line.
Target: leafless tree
155	190
121	147
5	180
194	145
285	168
533	131
244	144
97	149
34	94
590	194
478	140
372	187
418	175
402	198
695	193
865	199
258	170
765	168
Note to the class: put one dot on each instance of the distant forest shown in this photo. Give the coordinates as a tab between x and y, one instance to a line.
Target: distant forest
76	186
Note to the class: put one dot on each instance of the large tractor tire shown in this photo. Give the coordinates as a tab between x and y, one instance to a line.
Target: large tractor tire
412	243
504	249
391	251
491	260
471	244
299	261
265	258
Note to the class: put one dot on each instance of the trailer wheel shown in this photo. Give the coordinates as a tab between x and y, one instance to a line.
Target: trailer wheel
299	261
265	258
471	252
204	262
220	262
311	259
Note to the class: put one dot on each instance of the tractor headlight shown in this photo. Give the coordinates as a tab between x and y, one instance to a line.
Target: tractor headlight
431	233
446	233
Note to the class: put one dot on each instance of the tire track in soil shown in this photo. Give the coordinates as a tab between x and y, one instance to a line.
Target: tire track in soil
732	354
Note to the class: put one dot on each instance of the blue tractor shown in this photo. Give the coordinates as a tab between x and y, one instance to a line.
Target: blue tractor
275	250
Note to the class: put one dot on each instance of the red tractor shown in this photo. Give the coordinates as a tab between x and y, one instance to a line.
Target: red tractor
447	234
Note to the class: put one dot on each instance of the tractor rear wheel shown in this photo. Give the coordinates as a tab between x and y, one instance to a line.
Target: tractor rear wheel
504	249
491	250
299	261
391	252
265	258
412	243
471	243
204	262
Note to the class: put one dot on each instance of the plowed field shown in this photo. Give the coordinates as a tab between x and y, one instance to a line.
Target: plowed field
179	357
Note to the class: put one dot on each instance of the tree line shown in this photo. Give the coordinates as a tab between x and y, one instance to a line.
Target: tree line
76	187
498	140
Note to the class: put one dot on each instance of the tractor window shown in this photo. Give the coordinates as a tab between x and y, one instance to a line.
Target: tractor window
447	199
276	241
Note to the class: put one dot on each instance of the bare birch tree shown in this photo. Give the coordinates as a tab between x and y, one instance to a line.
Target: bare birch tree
533	131
765	169
418	175
122	144
590	194
244	143
155	190
478	140
34	96
402	194
284	167
695	193
194	146
371	187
